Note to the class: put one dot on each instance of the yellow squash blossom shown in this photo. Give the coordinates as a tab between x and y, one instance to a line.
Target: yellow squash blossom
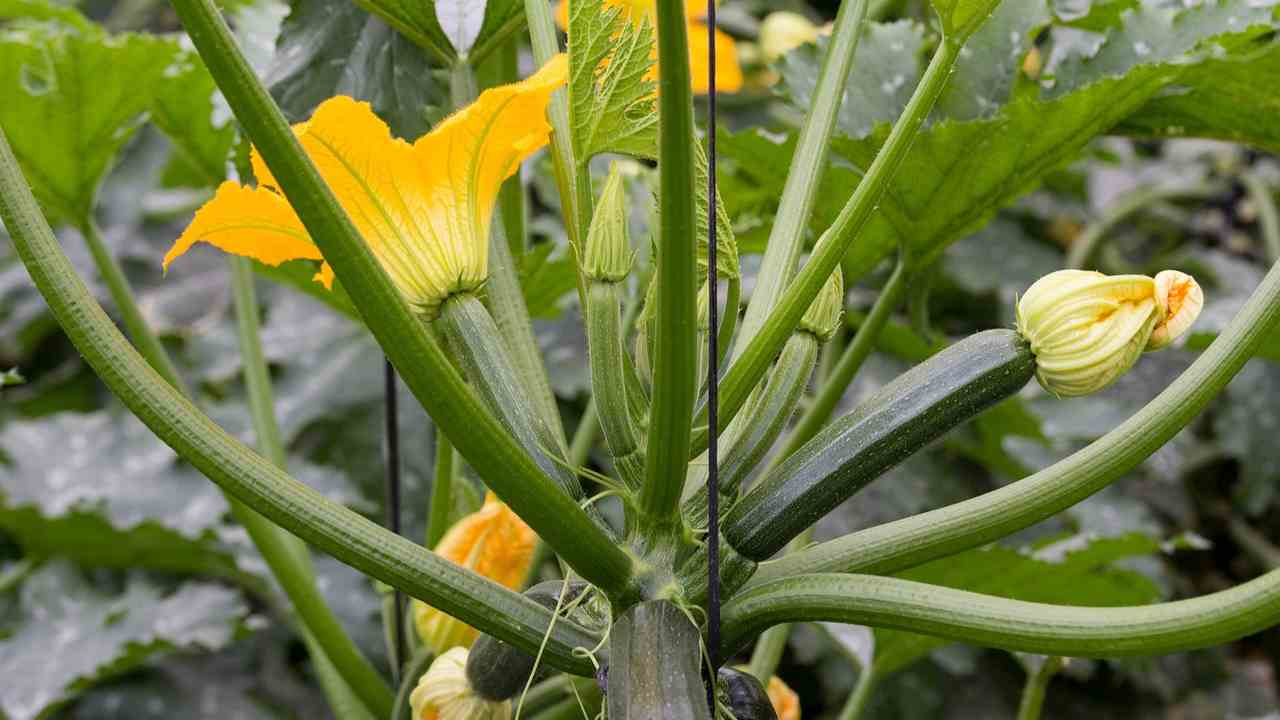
728	70
785	701
444	693
784	31
492	541
1086	329
424	209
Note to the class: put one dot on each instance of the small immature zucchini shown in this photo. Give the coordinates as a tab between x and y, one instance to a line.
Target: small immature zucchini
496	670
915	409
744	695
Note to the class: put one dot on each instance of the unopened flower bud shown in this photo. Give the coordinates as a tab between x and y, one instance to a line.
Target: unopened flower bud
781	32
1086	329
444	693
608	256
823	316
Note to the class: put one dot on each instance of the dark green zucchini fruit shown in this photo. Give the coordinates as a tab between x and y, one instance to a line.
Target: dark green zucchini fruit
915	409
496	670
744	695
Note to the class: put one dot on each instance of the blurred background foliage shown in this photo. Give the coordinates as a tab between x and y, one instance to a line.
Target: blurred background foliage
127	592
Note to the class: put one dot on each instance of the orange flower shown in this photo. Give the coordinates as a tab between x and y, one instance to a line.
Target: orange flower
423	209
492	541
786	703
728	71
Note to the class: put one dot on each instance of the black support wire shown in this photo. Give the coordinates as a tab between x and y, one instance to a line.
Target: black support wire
391	450
713	360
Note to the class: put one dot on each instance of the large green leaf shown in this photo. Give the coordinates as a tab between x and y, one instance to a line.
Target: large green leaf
186	110
73	98
67	635
332	47
612	105
1225	99
959	172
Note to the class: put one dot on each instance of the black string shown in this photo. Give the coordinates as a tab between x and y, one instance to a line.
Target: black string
391	449
713	360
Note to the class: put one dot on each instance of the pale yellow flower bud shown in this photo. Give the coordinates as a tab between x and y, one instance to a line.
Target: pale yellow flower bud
781	32
823	316
1086	329
608	253
444	693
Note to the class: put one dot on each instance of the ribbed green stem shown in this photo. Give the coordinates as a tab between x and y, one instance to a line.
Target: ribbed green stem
505	467
473	339
584	436
729	320
989	621
786	237
764	345
1268	216
574	182
344	669
441	491
860	697
757	429
1084	246
908	542
605	342
675	326
1037	683
855	353
767	653
255	481
343	701
126	303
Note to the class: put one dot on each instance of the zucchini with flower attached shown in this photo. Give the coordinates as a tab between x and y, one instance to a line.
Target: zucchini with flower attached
1077	332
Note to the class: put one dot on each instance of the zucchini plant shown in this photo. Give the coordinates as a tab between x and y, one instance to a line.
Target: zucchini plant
421	243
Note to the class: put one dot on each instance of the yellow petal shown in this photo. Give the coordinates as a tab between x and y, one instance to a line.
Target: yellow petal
785	701
728	71
251	222
1180	300
493	542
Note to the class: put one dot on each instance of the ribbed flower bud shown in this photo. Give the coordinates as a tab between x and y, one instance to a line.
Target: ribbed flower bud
608	256
492	541
823	316
781	32
1086	329
444	693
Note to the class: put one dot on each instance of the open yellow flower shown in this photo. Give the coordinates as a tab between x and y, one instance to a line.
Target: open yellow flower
492	541
424	209
728	70
1086	329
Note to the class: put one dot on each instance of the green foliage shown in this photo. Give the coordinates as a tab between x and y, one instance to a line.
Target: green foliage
452	28
332	47
76	97
961	18
613	107
11	377
68	635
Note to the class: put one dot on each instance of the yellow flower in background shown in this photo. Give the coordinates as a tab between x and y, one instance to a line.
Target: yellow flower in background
492	541
728	69
785	701
444	693
1086	329
783	31
424	209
